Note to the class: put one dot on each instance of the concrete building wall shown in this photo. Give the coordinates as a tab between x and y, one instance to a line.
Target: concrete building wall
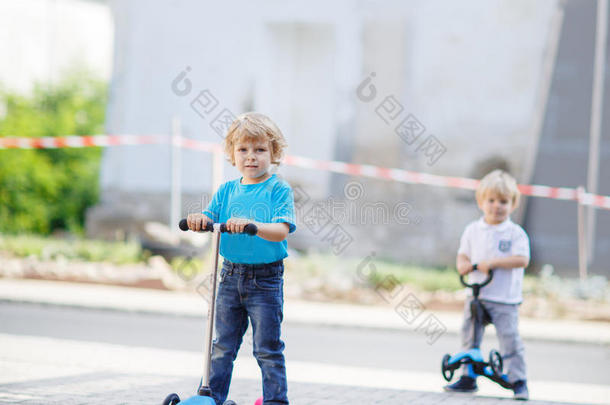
469	72
563	154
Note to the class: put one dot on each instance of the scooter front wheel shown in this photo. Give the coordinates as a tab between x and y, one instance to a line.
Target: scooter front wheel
446	369
496	363
171	399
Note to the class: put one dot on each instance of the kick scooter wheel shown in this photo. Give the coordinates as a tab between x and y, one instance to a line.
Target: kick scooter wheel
447	370
496	363
171	399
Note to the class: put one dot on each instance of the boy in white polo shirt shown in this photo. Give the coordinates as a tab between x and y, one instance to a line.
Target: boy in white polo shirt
495	242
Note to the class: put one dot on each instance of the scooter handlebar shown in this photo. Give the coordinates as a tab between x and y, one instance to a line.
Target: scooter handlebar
249	229
490	275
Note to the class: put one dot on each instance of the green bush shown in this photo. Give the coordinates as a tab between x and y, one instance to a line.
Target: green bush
45	190
427	279
383	274
48	248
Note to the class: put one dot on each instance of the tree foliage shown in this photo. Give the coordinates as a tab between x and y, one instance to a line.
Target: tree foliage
45	190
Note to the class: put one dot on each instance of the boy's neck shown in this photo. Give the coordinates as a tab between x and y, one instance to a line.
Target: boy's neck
495	223
247	180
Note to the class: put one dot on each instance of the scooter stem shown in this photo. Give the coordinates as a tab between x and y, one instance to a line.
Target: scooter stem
211	311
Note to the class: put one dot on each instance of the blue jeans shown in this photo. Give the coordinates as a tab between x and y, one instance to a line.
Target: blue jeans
253	292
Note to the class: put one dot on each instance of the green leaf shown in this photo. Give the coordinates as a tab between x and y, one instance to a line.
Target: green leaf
46	190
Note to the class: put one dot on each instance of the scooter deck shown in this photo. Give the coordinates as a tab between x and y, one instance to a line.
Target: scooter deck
473	354
198	400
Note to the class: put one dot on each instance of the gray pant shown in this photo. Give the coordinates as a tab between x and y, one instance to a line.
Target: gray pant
505	318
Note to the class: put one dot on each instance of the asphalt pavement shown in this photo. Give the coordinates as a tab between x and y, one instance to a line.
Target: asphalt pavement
88	344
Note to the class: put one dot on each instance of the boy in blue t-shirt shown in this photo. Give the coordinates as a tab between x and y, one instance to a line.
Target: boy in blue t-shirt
251	280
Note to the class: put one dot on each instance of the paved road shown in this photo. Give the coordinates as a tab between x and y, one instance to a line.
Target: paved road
343	346
64	355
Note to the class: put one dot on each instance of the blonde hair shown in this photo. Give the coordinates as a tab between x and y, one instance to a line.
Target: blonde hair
253	126
500	183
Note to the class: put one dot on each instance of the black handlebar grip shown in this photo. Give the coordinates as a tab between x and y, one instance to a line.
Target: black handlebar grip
209	227
490	275
249	229
483	284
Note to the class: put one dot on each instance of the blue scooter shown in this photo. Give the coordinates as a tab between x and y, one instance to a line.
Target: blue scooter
204	394
473	358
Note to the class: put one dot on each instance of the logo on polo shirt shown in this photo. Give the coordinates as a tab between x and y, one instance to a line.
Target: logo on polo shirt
504	246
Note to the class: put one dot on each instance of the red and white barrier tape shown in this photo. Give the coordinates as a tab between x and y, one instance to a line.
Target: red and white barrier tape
75	141
409	177
404	176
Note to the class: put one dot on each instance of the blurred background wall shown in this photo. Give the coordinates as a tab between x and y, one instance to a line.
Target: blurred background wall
502	83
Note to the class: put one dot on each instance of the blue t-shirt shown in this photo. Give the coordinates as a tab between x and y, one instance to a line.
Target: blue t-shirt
271	201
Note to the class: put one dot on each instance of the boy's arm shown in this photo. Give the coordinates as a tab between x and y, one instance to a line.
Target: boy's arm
273	232
463	264
509	262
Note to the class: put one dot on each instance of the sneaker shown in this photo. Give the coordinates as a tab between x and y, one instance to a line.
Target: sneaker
520	390
464	384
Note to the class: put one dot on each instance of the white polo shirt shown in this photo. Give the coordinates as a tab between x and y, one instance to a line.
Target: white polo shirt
482	241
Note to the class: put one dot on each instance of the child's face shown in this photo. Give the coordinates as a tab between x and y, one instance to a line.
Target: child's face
252	159
496	208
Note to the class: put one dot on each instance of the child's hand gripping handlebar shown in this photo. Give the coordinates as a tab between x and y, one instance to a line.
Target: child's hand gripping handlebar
249	229
476	287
